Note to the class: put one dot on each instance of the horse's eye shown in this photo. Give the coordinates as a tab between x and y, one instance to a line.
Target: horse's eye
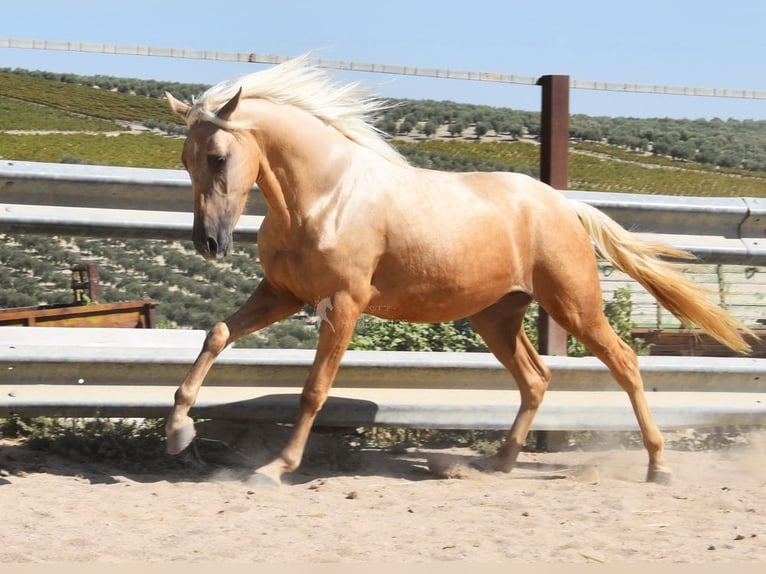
216	162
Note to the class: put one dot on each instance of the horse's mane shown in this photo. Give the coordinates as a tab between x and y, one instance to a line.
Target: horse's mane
348	108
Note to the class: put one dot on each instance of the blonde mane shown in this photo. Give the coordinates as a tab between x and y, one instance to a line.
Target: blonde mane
348	108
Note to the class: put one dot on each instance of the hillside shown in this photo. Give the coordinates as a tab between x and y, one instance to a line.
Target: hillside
124	122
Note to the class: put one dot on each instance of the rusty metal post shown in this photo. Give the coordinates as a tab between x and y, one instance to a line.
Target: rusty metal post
554	170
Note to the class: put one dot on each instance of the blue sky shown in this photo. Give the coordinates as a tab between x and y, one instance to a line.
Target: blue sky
696	43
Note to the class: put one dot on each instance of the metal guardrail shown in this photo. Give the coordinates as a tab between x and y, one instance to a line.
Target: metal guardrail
96	186
111	223
77	372
123	372
104	201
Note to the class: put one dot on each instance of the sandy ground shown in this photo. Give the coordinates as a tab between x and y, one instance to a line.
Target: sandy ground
570	507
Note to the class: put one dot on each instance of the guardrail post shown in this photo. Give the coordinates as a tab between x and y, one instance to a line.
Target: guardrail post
554	170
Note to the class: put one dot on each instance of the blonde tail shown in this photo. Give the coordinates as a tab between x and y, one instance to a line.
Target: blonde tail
640	259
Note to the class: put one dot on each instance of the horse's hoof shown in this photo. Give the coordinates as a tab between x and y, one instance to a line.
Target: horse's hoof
481	465
260	479
490	464
178	439
450	466
661	476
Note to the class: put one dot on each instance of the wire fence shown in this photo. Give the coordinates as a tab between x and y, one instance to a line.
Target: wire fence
256	58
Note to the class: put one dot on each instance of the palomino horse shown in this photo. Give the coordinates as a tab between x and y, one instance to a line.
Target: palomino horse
351	224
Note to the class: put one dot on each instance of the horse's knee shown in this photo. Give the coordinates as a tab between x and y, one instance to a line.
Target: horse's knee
217	338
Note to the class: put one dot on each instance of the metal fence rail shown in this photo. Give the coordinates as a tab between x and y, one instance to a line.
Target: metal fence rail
255	58
122	372
103	201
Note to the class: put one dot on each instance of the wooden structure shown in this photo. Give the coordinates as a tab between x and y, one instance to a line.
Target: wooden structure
693	343
130	314
85	311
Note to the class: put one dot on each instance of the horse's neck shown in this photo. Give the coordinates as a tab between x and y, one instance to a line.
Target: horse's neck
302	160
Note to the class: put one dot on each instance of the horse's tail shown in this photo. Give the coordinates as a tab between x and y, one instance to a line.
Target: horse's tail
641	259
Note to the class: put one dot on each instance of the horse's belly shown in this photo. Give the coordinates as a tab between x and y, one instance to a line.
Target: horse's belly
454	277
432	302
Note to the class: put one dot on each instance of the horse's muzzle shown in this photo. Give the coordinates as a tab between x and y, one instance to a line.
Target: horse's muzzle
212	245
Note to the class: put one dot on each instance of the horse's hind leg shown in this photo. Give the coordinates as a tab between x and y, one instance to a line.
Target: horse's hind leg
623	365
264	307
584	318
501	327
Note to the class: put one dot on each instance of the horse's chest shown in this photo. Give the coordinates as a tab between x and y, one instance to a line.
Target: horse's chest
282	264
302	272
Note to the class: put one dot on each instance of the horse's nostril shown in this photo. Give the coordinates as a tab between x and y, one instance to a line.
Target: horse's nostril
212	246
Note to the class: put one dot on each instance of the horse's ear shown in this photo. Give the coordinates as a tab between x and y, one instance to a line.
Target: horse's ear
225	112
177	106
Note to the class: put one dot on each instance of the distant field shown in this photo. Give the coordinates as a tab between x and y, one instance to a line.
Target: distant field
607	169
588	172
36	104
84	100
128	150
604	173
24	116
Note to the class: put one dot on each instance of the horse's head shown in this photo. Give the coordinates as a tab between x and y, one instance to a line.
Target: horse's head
223	170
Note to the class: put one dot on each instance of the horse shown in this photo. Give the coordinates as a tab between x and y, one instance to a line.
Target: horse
352	224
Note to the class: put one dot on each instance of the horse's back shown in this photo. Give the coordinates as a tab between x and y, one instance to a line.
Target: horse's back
484	210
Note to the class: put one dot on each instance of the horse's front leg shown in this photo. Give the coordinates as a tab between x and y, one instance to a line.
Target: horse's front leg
264	307
336	330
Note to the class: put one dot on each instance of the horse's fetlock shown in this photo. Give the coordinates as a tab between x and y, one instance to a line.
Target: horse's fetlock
183	396
535	399
312	400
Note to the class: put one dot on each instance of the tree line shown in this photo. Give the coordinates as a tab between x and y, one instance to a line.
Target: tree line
728	143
